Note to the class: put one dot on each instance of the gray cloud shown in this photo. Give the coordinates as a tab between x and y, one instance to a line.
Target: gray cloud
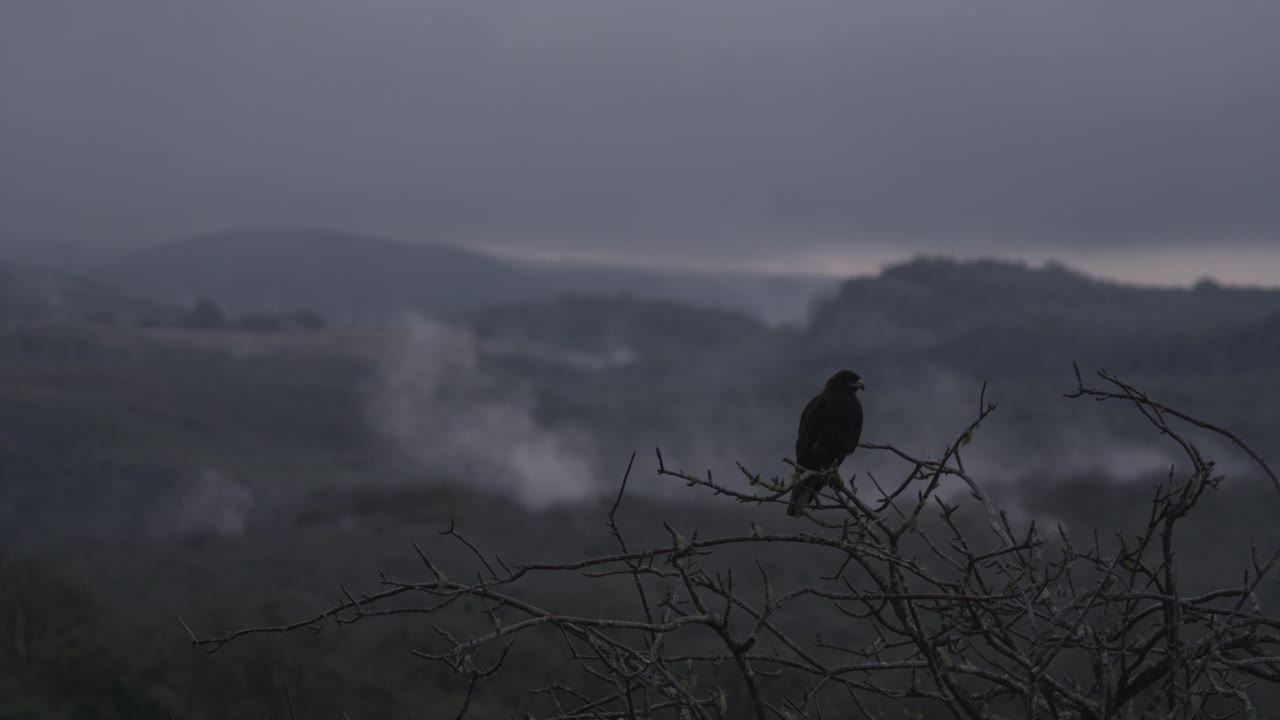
699	126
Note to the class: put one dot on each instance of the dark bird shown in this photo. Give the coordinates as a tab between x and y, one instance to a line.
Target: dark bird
830	427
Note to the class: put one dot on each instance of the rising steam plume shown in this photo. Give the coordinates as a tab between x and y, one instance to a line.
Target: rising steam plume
459	421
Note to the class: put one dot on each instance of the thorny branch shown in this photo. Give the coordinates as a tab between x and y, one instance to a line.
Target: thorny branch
930	613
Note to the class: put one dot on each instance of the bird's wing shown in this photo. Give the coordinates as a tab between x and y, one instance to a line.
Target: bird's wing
854	430
830	429
811	440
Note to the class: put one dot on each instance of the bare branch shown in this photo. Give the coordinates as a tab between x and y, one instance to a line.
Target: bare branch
932	608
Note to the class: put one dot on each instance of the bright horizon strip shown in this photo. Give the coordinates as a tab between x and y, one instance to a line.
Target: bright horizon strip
1178	265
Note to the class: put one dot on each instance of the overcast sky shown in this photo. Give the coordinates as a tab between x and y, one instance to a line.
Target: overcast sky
806	135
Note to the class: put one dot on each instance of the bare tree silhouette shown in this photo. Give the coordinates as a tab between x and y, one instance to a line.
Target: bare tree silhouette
936	605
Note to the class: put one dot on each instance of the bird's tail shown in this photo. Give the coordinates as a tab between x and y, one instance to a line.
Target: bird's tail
800	498
801	495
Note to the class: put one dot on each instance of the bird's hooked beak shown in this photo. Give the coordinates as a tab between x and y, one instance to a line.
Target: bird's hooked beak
859	384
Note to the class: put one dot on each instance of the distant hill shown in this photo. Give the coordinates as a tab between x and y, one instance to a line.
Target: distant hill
1254	348
933	298
340	272
33	295
616	332
337	272
986	319
1006	319
591	323
773	299
591	378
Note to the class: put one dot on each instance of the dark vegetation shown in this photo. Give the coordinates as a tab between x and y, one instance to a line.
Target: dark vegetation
935	605
241	478
205	314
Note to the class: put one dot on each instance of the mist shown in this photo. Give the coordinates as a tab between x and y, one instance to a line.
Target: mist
475	428
209	504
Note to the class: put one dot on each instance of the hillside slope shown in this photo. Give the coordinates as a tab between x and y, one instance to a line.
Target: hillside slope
284	268
338	272
33	295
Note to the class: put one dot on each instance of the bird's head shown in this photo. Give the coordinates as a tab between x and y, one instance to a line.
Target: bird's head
845	381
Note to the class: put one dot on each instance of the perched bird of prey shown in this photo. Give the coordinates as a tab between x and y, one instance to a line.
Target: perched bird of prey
830	427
